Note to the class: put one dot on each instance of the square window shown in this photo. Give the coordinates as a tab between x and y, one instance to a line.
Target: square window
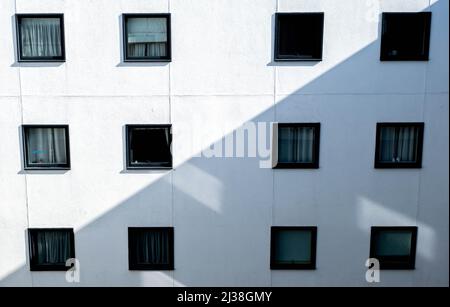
293	248
394	247
46	147
146	37
399	145
405	36
50	249
298	36
151	248
149	146
40	37
298	145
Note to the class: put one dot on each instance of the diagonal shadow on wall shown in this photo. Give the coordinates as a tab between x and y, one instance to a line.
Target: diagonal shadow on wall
233	238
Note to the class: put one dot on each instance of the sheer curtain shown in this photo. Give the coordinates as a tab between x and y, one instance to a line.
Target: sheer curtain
46	146
52	247
40	37
398	144
153	247
147	37
295	144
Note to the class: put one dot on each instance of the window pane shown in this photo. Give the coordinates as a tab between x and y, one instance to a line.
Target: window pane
147	37
40	37
46	146
300	36
293	246
152	247
51	246
406	35
150	146
398	144
393	243
295	144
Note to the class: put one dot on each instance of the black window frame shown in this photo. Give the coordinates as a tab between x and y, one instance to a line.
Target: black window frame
20	58
419	154
61	166
384	52
395	262
126	58
133	266
289	58
293	266
316	148
147	166
34	265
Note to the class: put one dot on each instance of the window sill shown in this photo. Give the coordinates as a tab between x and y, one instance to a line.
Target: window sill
292	267
397	166
297	60
147	60
296	166
42	168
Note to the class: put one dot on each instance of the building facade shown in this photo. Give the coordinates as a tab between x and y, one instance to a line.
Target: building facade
221	77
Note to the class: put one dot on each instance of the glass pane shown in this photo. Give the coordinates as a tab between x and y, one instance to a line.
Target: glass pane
398	144
40	37
152	247
150	146
300	36
295	144
147	37
387	144
53	247
393	243
293	246
405	35
407	144
46	146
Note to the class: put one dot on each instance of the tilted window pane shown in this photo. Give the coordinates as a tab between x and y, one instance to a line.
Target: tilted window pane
295	144
405	36
147	37
293	246
41	37
46	146
150	146
393	243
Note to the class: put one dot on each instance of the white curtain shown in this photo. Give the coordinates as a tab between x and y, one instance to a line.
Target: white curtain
147	37
153	247
53	247
295	144
40	37
46	146
398	144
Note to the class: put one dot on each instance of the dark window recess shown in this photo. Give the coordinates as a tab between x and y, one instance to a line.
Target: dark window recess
149	146
298	145
299	36
50	249
293	248
405	36
394	247
151	248
46	147
40	37
146	37
399	145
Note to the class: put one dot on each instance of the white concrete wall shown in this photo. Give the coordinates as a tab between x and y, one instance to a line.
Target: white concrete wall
222	76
